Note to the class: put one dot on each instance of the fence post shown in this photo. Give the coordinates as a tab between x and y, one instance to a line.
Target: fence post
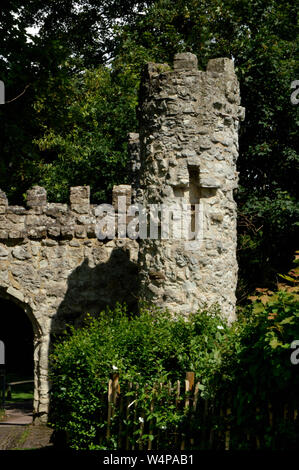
194	405
190	376
228	426
149	446
109	408
113	391
127	415
115	388
135	414
189	385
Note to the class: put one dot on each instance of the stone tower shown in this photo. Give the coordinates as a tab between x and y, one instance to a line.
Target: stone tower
189	123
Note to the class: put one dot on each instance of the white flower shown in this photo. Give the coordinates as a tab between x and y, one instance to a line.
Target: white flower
141	420
220	327
114	368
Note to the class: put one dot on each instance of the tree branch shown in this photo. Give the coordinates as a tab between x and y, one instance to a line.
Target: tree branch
14	99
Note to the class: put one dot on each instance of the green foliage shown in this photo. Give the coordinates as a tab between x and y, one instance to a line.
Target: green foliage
256	372
246	365
33	68
267	233
264	333
147	349
85	133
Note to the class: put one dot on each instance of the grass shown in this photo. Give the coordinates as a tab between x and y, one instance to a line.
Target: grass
20	396
20	392
22	439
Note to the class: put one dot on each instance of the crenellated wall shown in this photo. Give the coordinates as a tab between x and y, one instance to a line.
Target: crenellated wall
54	267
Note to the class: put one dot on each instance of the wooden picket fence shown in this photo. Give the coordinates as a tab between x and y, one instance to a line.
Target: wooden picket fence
206	426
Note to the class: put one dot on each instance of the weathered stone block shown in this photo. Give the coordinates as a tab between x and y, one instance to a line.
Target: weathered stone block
210	182
80	199
3	252
221	65
16	234
3	234
80	208
67	231
36	220
3	202
80	231
20	210
123	191
56	210
36	197
54	231
21	253
37	233
185	61
17	294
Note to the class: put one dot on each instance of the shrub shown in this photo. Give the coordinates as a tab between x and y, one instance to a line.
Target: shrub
256	375
149	348
245	367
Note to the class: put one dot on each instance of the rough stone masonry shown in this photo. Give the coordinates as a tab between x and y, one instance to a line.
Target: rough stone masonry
188	150
51	261
53	266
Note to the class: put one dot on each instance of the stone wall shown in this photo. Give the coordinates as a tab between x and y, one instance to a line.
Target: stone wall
54	267
189	123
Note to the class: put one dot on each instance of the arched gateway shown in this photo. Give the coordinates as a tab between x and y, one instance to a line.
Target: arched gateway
16	356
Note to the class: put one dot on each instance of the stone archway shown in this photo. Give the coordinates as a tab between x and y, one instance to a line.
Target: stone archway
40	352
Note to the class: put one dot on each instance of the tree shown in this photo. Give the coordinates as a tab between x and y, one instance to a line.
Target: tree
77	32
85	121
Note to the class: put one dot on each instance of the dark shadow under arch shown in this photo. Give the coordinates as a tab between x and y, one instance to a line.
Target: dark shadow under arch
25	307
16	331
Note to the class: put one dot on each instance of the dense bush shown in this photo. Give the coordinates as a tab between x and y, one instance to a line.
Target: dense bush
246	365
257	376
148	348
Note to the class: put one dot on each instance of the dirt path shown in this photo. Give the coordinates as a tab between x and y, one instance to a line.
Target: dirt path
18	413
24	437
10	436
18	432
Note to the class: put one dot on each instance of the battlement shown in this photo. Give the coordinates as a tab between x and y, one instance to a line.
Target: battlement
42	219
